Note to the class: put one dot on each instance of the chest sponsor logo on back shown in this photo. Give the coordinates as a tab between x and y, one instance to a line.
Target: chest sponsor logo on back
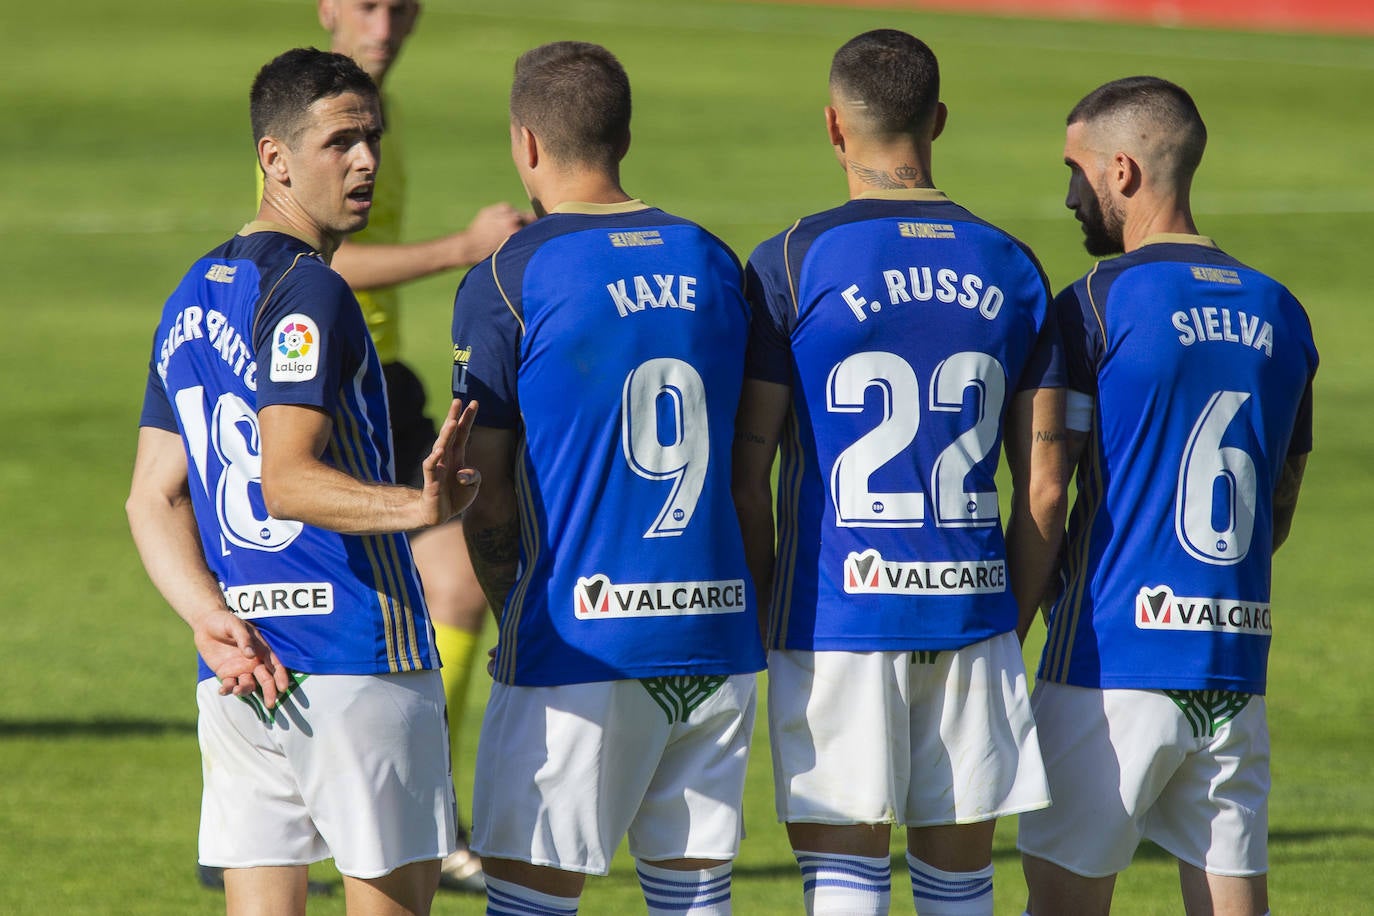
1158	608
597	598
868	573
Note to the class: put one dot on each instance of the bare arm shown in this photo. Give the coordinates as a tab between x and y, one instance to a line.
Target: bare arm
367	265
1037	456
297	485
163	525
492	525
758	427
1286	497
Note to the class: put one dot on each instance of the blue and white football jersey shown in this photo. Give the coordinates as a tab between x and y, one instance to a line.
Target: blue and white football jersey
1201	369
611	338
263	320
904	326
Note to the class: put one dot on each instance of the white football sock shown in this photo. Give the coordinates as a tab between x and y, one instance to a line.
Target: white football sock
949	893
839	885
669	892
505	898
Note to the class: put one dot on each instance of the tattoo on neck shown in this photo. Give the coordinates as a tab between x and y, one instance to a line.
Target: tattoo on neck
877	177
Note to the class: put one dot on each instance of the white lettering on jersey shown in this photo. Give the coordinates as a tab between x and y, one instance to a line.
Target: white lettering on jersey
868	573
922	284
228	343
221	273
281	599
1158	608
655	291
1225	326
596	598
295	349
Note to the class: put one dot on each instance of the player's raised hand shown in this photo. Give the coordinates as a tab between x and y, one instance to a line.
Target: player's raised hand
490	227
449	485
240	658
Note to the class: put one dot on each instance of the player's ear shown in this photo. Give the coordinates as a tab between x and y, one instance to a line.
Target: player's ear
1125	173
328	14
272	159
833	128
623	149
527	147
941	115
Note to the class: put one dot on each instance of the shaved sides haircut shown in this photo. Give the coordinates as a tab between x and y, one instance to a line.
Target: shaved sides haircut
888	79
290	83
575	97
1150	117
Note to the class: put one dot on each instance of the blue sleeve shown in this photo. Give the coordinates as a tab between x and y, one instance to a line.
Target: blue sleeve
487	331
1081	337
310	335
157	410
768	291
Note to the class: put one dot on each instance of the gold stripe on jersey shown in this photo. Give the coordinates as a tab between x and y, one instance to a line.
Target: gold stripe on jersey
529	543
1063	629
496	278
348	445
792	464
262	303
1092	301
787	266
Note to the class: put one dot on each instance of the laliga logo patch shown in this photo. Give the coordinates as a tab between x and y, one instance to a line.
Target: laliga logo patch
296	350
861	570
593	596
1154	607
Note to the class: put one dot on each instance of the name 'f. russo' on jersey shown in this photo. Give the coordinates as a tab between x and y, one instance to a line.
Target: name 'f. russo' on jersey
262	320
904	326
612	338
1200	369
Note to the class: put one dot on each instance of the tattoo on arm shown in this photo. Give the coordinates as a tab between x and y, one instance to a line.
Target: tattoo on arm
752	438
495	554
1050	435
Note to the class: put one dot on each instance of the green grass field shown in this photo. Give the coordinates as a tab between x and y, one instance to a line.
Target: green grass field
125	155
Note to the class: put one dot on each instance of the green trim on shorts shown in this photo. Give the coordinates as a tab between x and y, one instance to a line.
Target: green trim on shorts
1208	710
269	716
679	695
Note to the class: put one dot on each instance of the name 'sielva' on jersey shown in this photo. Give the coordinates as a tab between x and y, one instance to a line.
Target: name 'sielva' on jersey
192	323
1221	324
922	284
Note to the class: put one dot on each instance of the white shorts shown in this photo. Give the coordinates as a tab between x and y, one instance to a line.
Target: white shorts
350	766
882	737
1131	764
563	773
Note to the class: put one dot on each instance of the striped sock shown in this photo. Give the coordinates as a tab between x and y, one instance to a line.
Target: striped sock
505	898
838	884
949	893
669	892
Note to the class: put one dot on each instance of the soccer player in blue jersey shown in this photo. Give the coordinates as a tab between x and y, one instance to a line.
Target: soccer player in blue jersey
376	262
900	344
263	508
1190	416
605	343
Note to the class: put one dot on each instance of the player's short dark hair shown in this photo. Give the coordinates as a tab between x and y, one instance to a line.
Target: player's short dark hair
1165	106
896	77
575	97
290	83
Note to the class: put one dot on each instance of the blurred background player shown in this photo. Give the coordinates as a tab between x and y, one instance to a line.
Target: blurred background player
1190	418
375	262
898	339
606	343
264	443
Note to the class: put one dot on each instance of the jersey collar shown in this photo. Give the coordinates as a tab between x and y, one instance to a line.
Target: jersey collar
1178	238
586	209
924	194
262	225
